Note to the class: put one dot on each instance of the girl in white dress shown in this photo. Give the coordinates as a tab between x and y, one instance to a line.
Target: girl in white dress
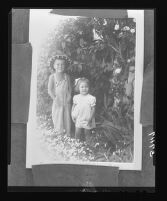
83	110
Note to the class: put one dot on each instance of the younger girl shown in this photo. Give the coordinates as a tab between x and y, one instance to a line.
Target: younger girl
59	89
83	110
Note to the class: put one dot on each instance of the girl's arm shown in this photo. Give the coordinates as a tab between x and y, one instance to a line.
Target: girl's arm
92	113
69	88
50	87
73	106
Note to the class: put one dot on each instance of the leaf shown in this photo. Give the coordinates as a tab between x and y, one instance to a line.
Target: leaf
63	44
128	87
103	63
80	67
68	39
78	50
76	62
105	101
109	67
115	129
125	100
131	77
108	151
81	42
110	134
93	57
83	57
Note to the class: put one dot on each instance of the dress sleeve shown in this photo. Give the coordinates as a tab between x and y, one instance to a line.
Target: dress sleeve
93	101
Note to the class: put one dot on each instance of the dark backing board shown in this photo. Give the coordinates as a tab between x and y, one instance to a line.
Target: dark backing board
68	175
21	79
21	175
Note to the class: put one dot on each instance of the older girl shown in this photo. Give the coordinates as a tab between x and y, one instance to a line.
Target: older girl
83	110
59	89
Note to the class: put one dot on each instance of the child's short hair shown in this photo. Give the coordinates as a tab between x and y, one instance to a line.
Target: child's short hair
79	81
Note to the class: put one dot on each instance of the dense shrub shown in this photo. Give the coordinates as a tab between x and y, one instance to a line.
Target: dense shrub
103	50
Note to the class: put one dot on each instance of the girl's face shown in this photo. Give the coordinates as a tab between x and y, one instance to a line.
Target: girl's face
83	88
59	65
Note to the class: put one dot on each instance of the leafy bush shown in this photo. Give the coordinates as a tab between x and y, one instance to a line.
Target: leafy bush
103	50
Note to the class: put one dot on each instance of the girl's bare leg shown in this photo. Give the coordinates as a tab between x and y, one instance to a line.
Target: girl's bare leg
87	135
78	133
67	120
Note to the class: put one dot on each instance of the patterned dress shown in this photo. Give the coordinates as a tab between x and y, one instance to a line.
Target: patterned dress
61	108
82	110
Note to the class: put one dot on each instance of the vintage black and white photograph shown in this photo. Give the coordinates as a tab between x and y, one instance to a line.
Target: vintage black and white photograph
86	88
82	99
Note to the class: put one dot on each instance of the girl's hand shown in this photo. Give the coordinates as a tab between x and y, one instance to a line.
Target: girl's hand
74	120
89	122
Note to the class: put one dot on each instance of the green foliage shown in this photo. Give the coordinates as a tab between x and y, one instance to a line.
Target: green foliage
103	50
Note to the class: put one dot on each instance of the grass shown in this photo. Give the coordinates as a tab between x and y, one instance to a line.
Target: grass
61	147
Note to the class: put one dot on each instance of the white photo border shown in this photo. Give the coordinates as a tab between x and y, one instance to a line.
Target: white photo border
138	15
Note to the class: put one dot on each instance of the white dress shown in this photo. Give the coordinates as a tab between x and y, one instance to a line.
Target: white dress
82	110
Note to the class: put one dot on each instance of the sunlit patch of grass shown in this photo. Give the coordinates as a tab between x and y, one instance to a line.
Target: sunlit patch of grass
63	148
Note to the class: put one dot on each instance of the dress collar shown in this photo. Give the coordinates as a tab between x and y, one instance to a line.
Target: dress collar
64	79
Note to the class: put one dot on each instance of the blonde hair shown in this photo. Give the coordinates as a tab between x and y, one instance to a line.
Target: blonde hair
79	81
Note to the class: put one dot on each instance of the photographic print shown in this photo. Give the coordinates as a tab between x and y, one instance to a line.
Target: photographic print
85	90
